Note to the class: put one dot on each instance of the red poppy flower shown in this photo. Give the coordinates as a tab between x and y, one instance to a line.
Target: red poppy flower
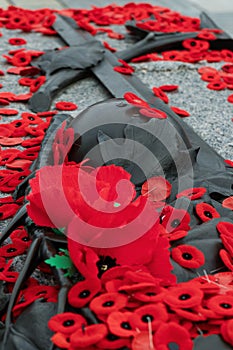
172	333
84	258
21	59
7	210
221	304
230	98
206	212
36	84
149	294
46	114
19	164
25	81
160	94
227	161
181	112
183	296
193	44
190	314
61	340
120	325
8	111
31	118
32	142
18	127
49	20
66	106
169	88
115	35
153	113
48	293
206	35
226	258
172	55
6	130
217	85
227	55
4	102
67	322
12	141
157	188
82	292
107	303
188	256
208	70
112	341
211	76
142	341
116	272
27	71
192	193
173	219
13	249
227	331
123	70
225	228
228	68
17	41
155	314
135	100
20	234
88	335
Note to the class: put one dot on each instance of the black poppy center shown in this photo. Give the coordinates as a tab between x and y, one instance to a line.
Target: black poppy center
25	239
17	125
208	214
187	256
112	337
84	294
150	294
31	118
184	296
11	250
125	325
226	306
175	223
147	318
108	303
68	323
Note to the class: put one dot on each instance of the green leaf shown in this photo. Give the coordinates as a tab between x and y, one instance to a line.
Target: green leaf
59	231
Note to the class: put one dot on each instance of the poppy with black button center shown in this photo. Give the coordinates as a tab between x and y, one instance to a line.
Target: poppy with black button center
174	219
120	325
13	249
61	340
82	292
154	314
107	303
67	322
49	293
172	333
88	335
206	212
188	256
221	304
183	296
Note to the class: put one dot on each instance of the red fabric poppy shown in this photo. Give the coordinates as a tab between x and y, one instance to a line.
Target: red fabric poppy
188	256
206	212
217	85
227	68
173	219
135	100
211	76
37	83
156	188
155	314
181	112
142	341
12	249
194	44
227	161
107	303
153	113
22	164
67	322
172	333
88	335
221	304
227	331
183	296
25	81
4	102
66	106
8	210
32	142
22	235
172	55
116	272
8	111
225	228
28	71
208	70
206	35
190	314
169	88
61	340
123	70
31	118
82	292
17	41
18	127
227	55
10	141
149	294
46	114
120	325
226	258
21	59
48	293
192	193
160	94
